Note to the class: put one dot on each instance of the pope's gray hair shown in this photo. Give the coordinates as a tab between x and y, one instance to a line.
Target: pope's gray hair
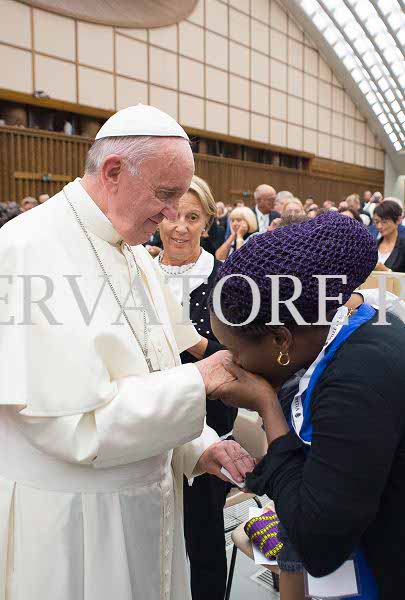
133	149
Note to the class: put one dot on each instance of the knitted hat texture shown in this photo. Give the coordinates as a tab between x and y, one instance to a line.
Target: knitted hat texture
331	244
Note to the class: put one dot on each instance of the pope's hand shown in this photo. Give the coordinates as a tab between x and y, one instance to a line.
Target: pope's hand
214	372
226	454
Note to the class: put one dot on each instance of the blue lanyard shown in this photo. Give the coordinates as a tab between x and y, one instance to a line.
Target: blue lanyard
302	401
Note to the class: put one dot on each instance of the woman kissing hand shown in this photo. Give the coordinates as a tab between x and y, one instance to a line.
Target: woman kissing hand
253	392
245	390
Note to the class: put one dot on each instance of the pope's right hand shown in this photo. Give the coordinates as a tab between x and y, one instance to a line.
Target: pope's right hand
213	371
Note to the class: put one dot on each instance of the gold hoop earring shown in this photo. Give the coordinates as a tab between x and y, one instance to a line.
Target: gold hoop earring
283	361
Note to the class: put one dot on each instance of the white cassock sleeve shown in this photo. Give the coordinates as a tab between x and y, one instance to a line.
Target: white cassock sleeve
148	416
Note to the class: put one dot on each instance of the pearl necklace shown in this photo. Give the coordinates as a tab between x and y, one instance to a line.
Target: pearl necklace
168	269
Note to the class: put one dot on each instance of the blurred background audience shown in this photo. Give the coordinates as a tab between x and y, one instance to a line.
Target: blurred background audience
243	223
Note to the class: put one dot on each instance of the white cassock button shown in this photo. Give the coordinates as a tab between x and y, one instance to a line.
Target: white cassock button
207	332
202	320
197	304
203	293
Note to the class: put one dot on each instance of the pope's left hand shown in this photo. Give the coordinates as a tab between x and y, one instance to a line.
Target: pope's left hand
228	454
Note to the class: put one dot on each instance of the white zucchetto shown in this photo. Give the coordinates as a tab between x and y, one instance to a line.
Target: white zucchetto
141	120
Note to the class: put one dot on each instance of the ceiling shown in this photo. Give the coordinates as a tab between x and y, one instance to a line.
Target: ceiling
121	13
364	43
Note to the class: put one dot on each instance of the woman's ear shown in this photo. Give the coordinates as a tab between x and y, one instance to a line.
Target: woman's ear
282	339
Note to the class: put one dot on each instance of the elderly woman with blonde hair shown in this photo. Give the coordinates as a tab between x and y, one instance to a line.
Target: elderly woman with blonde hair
243	224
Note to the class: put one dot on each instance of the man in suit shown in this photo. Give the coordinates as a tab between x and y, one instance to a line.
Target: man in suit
264	196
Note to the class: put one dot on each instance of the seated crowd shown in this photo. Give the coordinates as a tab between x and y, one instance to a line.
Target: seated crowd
9	210
234	224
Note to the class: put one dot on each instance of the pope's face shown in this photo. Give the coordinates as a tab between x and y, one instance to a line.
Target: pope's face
140	202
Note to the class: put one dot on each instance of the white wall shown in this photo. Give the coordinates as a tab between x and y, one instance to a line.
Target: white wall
394	182
241	68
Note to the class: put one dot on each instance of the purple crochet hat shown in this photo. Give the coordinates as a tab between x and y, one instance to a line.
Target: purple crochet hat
331	244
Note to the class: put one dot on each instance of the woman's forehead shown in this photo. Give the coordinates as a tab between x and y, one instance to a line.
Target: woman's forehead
190	202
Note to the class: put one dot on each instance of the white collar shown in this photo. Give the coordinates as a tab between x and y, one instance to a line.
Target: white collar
90	214
201	270
260	214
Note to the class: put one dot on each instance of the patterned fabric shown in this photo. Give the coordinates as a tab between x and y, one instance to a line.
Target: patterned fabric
263	533
330	244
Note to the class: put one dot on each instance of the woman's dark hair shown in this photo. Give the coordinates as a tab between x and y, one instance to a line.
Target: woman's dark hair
388	210
353	212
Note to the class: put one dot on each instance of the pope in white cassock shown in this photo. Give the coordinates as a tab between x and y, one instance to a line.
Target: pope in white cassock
98	419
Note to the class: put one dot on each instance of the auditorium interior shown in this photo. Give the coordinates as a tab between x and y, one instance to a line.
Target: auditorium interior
307	96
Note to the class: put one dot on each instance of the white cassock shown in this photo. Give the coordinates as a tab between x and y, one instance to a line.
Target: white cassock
90	487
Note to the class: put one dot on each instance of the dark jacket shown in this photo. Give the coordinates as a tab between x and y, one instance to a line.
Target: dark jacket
349	489
215	239
273	214
396	260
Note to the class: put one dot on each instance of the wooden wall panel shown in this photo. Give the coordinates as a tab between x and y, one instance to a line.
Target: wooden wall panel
326	180
34	162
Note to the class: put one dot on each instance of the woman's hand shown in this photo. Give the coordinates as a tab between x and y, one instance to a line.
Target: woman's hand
214	372
243	229
245	390
235	225
254	393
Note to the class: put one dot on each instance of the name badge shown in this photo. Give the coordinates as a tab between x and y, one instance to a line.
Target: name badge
342	583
